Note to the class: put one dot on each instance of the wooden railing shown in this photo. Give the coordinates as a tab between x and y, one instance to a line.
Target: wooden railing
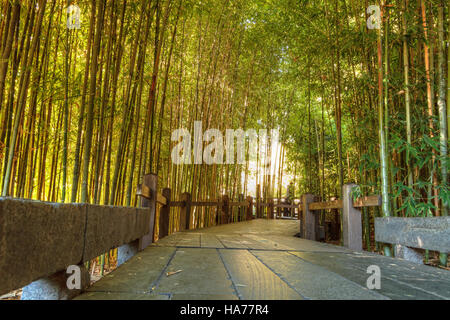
351	216
305	210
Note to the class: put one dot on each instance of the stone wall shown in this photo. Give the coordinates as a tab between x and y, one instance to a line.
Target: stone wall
38	239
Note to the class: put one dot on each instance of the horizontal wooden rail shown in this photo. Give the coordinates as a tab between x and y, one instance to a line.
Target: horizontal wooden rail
336	204
370	201
177	203
205	203
144	191
262	204
239	204
161	199
291	206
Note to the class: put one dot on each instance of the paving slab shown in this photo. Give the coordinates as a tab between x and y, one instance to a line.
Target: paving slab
312	281
356	271
137	275
188	239
208	240
201	272
233	241
253	280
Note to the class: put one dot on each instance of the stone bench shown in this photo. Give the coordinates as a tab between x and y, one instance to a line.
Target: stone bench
39	240
410	234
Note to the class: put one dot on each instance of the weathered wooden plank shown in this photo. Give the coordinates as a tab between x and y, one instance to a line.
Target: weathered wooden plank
185	212
177	203
336	204
369	201
161	199
290	206
164	214
144	191
238	204
205	203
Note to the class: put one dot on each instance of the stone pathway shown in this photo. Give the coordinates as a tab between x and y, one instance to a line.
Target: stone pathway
262	259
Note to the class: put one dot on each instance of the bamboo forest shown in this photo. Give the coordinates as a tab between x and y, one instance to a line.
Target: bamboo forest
339	109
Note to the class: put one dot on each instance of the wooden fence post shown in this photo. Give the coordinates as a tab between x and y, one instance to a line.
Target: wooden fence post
336	229
225	214
278	212
185	212
249	215
352	227
270	211
151	182
258	207
310	220
164	215
241	210
147	193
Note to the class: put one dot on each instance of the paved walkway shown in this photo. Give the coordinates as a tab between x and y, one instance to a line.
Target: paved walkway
262	259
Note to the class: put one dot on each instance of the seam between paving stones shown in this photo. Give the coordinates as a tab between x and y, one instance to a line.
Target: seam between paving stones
231	248
281	277
340	276
223	244
154	285
229	275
